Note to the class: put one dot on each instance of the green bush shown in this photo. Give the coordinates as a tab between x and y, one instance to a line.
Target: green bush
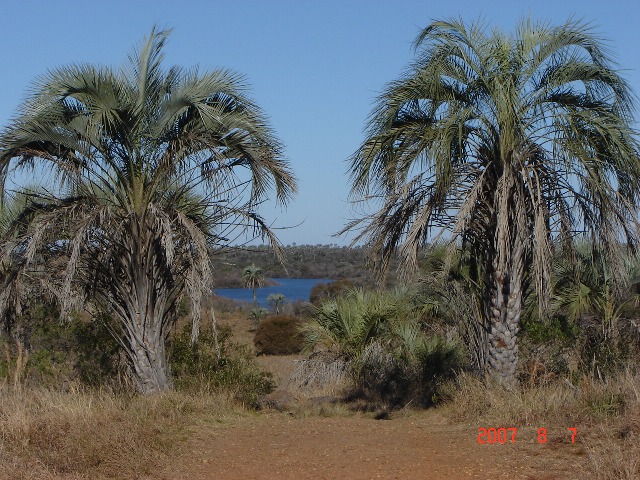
393	362
405	368
347	324
216	364
278	335
99	356
557	329
78	350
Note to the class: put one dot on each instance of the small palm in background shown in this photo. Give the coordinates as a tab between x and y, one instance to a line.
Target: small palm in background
275	301
253	278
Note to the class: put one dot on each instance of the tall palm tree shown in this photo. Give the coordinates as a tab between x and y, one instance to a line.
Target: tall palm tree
153	169
509	143
253	278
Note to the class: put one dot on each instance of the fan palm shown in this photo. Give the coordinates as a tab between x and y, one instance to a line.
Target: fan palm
276	300
583	287
153	169
253	278
509	143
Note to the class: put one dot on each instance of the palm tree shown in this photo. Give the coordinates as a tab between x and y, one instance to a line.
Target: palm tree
276	300
511	144
253	278
153	169
583	288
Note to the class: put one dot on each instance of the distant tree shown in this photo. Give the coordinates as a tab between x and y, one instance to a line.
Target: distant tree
153	168
253	278
276	300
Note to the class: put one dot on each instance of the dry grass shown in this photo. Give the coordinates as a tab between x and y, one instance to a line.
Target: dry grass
614	451
280	366
319	375
242	327
606	415
91	435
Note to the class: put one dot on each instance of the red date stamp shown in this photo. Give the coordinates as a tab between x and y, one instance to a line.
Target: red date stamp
490	436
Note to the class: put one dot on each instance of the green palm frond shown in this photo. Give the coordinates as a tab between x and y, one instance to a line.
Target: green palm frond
545	104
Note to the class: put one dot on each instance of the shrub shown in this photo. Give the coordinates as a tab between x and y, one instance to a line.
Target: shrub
278	335
392	361
299	309
215	364
346	325
82	349
330	291
406	368
99	356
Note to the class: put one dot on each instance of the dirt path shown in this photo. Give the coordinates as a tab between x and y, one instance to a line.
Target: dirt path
419	446
277	446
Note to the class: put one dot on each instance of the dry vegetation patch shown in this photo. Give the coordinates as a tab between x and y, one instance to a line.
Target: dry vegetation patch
605	414
94	434
278	335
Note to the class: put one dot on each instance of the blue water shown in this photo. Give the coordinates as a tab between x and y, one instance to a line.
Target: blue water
292	288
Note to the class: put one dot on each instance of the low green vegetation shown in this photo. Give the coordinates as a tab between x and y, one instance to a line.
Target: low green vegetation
216	364
395	355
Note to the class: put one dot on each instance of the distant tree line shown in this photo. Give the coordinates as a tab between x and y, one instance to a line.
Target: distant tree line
301	261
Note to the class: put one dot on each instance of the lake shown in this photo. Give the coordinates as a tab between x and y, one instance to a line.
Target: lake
293	289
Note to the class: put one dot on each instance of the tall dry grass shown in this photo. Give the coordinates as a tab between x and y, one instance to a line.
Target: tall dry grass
606	414
88	434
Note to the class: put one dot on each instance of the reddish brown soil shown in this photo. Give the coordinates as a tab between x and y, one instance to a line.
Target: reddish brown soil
416	446
423	446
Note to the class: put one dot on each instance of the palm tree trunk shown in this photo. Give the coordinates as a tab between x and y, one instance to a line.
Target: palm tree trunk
149	361
504	313
146	312
146	331
504	287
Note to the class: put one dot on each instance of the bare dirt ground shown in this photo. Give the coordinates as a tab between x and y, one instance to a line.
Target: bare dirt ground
415	446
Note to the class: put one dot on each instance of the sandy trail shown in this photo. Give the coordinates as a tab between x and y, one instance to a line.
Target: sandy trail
417	446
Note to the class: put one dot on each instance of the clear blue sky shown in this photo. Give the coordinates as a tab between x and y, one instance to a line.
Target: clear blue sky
315	67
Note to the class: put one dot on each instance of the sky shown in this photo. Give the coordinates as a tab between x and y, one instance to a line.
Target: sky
314	67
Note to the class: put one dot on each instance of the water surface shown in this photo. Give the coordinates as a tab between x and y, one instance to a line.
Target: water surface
293	289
